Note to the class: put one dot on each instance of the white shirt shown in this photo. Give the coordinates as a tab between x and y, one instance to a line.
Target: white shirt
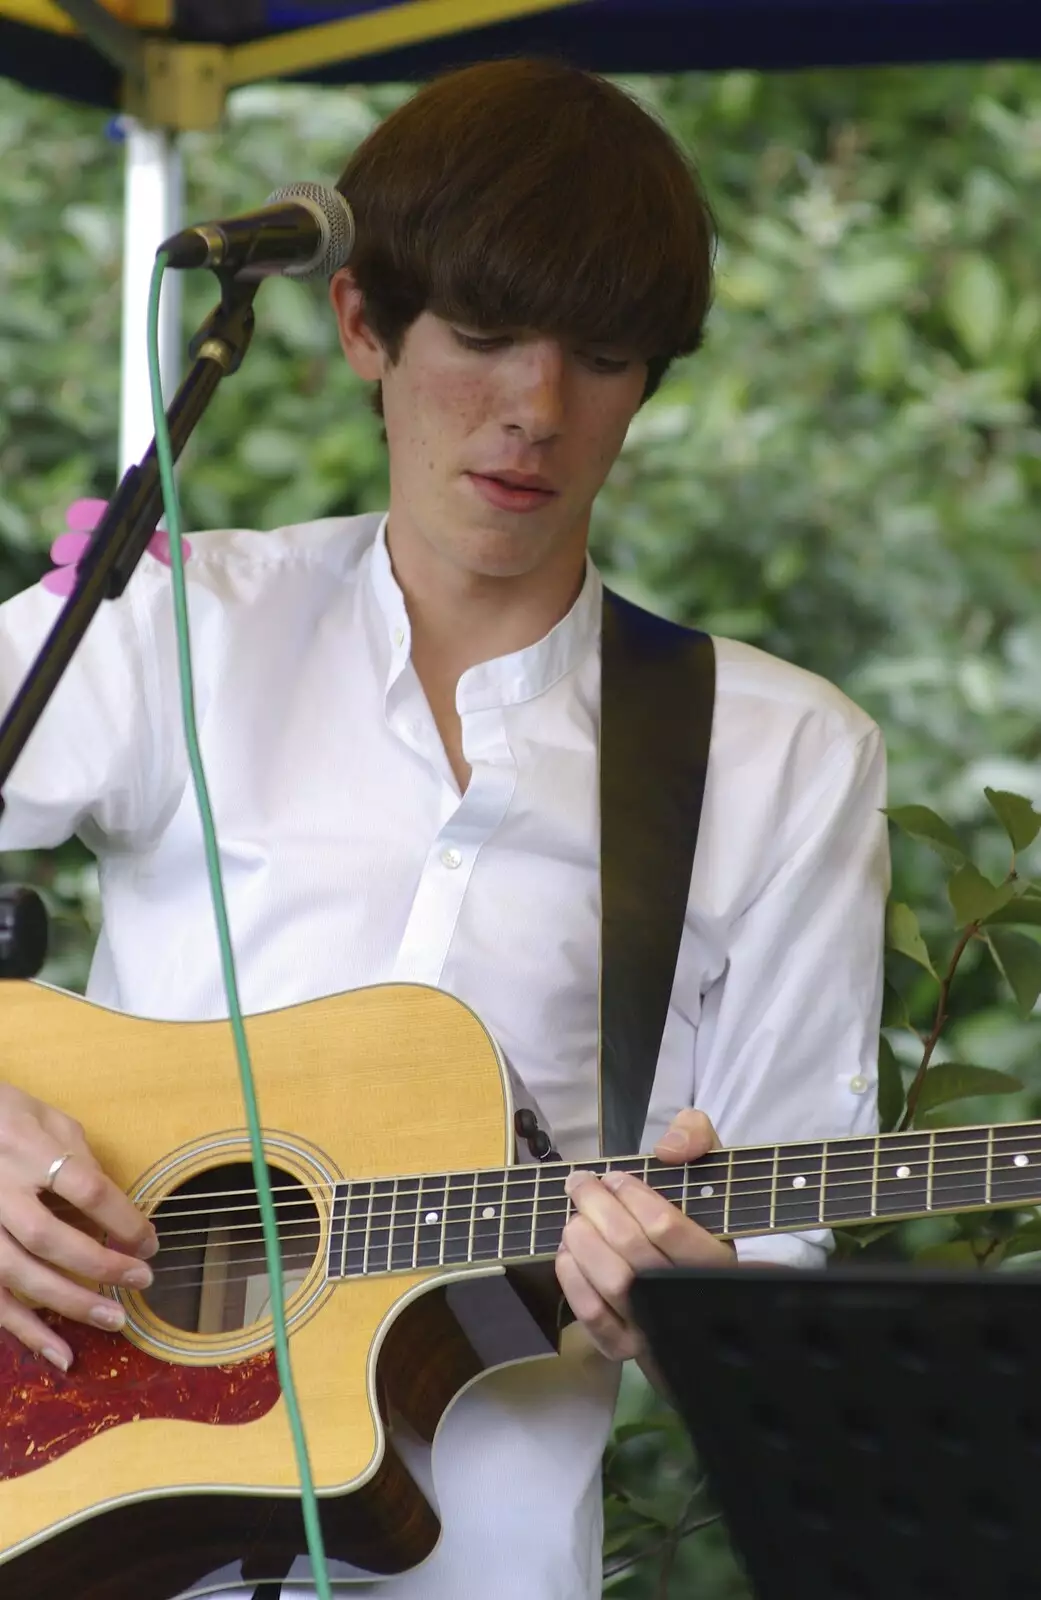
351	858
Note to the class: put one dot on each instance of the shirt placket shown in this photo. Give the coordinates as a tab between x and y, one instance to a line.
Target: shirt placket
467	823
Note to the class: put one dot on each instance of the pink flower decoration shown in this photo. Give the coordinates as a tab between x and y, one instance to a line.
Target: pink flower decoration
81	518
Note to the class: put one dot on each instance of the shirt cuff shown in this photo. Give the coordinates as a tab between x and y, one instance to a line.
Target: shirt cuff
786	1249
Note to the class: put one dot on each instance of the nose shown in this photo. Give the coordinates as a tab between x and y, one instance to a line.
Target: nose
533	395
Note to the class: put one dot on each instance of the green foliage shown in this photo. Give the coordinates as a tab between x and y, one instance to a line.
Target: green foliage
847	475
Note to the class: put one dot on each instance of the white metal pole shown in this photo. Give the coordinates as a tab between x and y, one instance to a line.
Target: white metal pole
152	209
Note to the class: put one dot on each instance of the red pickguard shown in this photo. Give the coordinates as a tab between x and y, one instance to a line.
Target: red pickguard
45	1413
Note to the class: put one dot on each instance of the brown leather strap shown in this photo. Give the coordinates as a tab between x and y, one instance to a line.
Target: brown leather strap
658	684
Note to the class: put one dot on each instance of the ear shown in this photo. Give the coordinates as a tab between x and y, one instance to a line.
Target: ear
357	340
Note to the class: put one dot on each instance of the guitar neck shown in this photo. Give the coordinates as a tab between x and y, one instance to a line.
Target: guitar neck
517	1214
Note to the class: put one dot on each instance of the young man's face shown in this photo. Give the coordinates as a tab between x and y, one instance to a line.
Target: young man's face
463	405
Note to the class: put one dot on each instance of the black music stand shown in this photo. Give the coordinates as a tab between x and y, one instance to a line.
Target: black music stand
868	1433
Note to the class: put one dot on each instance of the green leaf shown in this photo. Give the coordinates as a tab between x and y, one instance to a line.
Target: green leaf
952	1253
1018	817
924	824
1018	959
1024	908
953	1080
890	1086
894	1007
861	1237
904	934
1025	1241
639	1430
1029	1261
976	303
974	897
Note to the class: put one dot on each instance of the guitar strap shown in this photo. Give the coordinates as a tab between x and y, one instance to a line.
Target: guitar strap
658	685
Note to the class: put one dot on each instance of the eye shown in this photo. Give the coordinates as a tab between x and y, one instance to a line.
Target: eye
476	341
607	364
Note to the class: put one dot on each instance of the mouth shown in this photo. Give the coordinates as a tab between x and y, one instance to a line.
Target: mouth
510	496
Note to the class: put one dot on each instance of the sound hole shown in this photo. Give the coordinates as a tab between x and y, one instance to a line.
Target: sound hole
211	1273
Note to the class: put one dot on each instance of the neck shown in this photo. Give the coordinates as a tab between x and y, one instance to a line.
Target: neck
516	1214
460	617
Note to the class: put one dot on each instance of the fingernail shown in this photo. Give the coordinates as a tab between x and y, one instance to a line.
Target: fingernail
148	1249
112	1317
573	1180
613	1180
672	1141
138	1278
55	1357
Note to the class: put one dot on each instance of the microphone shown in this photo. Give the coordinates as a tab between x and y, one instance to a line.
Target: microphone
301	231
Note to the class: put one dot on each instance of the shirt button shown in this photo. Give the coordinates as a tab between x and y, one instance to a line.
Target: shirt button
452	857
858	1084
399	636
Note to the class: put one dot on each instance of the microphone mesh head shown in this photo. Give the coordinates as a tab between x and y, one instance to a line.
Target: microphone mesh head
331	210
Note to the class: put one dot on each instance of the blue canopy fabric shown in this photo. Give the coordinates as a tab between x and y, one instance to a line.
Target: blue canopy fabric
617	36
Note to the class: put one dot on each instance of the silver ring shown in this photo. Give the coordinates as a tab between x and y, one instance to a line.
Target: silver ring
54	1169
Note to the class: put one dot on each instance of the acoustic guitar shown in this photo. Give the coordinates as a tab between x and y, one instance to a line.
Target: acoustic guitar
416	1257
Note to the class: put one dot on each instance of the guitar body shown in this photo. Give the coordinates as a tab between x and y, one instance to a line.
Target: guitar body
165	1452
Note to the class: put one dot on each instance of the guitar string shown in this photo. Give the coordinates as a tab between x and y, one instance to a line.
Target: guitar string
705	1166
547	1201
415	1265
550	1213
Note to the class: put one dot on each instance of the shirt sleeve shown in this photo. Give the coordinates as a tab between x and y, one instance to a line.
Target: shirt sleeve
89	766
788	1044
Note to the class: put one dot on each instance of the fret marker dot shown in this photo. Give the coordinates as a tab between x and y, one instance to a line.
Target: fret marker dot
705	1190
488	1213
431	1216
903	1172
1021	1161
799	1182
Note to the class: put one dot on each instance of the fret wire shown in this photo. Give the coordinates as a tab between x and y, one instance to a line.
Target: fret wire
773	1185
989	1167
346	1220
368	1229
929	1160
415	1231
473	1220
874	1179
390	1230
728	1191
444	1223
502	1215
823	1187
534	1212
685	1195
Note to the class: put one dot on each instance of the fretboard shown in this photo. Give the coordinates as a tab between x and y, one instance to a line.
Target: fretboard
517	1214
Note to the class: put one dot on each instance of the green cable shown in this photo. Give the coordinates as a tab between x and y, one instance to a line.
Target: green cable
164	455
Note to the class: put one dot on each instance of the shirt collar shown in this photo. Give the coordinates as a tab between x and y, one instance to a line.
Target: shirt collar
507	680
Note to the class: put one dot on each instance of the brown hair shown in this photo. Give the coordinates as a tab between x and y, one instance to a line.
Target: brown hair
527	194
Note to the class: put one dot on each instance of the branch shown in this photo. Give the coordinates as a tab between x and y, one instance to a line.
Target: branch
939	1021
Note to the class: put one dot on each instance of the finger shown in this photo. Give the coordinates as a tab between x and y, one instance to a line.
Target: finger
597	1202
84	1185
608	1269
612	1337
31	1330
44	1235
678	1239
37	1282
690	1135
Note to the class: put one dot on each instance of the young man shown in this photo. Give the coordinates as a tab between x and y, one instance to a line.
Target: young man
399	721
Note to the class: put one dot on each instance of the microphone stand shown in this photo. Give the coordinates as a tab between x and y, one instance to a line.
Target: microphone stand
103	572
